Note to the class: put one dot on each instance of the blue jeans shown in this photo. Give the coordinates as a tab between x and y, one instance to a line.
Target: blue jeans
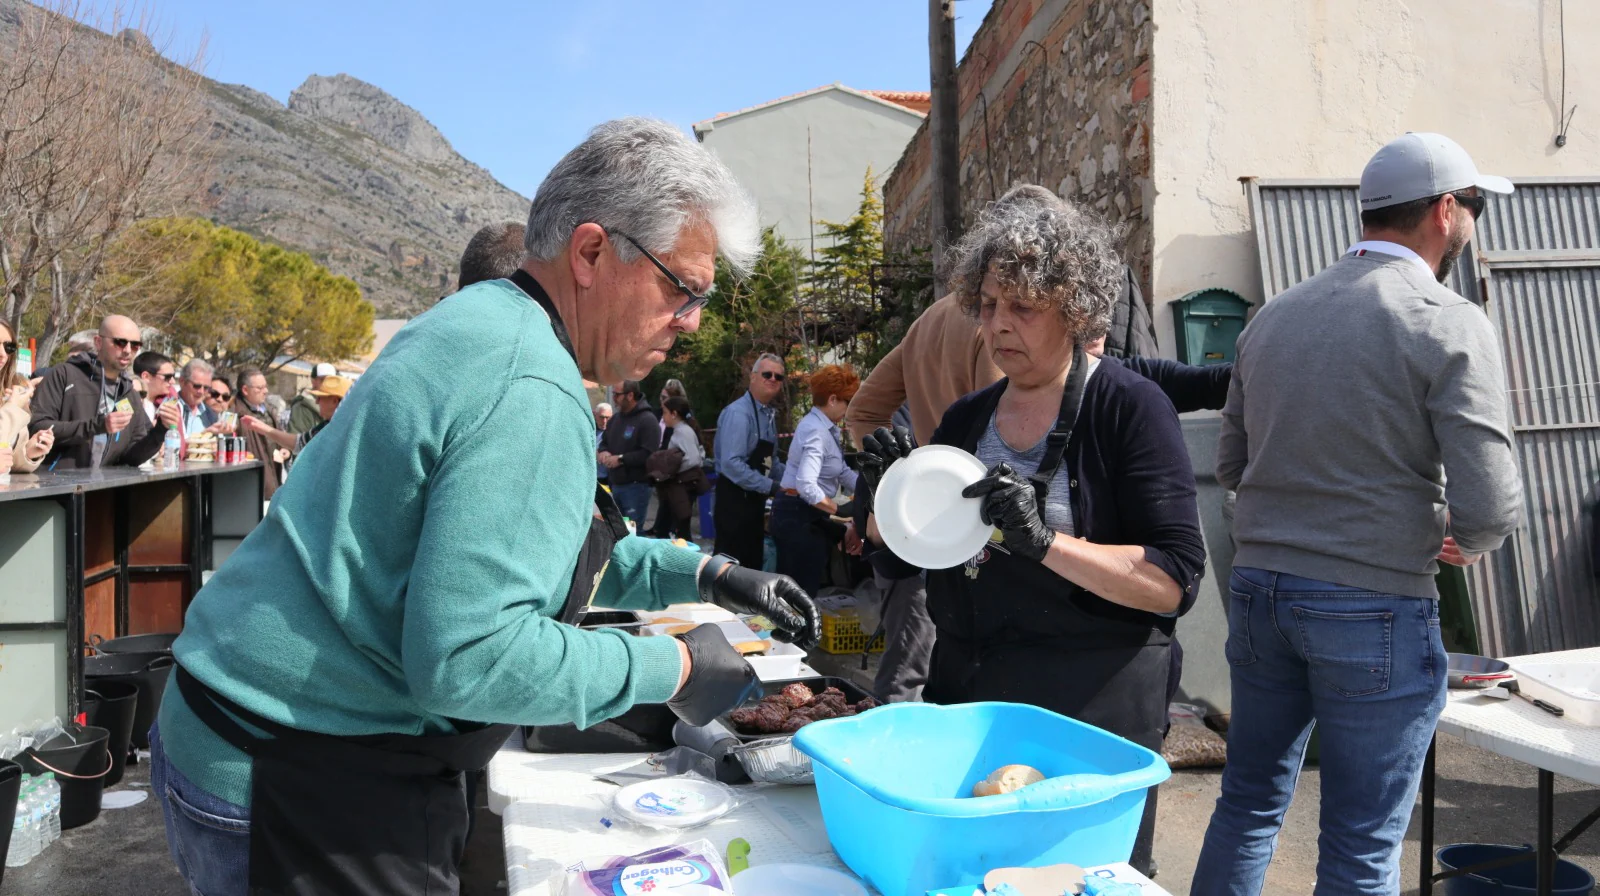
209	837
1369	671
634	501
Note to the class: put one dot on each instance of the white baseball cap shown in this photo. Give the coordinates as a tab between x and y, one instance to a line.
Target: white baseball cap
324	369
1419	166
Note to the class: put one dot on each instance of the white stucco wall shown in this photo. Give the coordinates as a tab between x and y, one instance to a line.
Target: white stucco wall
766	150
1312	88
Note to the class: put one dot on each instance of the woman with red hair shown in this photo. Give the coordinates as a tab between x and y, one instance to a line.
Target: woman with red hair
801	524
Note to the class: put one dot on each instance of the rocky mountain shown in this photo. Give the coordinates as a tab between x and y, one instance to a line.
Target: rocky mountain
356	178
348	174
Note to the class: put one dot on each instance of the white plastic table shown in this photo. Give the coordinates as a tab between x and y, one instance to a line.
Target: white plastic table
1516	729
550	807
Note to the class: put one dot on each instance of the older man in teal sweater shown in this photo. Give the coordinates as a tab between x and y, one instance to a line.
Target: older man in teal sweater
401	605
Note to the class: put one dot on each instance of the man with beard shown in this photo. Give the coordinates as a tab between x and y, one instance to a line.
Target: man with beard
1367	436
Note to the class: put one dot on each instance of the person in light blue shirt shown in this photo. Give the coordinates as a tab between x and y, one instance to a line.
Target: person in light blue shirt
194	387
802	522
748	473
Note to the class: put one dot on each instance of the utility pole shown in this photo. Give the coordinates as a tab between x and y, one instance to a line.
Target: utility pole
944	132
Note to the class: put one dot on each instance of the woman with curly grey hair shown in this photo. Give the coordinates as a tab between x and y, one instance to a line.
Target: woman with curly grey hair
1089	483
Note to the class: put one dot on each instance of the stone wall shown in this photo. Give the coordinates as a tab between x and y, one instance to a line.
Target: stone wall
1054	92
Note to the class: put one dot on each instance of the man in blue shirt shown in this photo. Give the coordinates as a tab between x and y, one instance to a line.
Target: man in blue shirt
748	473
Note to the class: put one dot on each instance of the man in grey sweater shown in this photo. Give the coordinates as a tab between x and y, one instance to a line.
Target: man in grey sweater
1367	435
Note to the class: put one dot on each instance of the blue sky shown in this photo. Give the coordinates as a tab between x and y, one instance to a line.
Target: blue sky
513	85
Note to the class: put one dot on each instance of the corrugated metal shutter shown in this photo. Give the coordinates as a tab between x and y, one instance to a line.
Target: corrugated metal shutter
1304	226
1537	255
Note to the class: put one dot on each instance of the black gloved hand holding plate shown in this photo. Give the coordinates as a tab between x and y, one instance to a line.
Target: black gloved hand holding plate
1011	505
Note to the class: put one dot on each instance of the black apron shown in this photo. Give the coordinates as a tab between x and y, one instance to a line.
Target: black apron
740	515
1010	629
383	813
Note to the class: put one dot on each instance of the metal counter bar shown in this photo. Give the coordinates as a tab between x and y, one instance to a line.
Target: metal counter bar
105	542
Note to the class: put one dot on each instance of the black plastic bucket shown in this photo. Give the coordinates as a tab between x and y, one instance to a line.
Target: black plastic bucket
10	786
80	761
157	643
111	704
1517	879
146	671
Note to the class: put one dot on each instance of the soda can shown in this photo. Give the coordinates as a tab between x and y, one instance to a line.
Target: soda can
225	451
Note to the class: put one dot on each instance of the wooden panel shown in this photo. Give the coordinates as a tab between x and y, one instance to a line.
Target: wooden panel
100	609
157	524
156	602
99	531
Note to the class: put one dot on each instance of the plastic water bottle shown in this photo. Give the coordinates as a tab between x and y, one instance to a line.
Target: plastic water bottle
17	853
25	839
171	449
52	805
41	818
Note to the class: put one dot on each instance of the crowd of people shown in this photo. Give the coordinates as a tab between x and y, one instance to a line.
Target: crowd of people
428	567
1040	362
109	403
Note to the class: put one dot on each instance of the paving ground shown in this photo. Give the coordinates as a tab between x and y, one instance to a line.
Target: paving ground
1482	798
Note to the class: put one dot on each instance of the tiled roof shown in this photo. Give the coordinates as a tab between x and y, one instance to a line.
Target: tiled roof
915	100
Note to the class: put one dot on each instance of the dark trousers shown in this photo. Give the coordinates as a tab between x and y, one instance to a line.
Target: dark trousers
798	530
740	518
908	636
674	507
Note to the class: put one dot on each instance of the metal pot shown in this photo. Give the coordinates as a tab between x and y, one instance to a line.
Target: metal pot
1472	672
156	643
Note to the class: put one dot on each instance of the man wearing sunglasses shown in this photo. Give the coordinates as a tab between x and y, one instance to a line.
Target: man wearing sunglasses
1367	436
98	416
421	573
748	470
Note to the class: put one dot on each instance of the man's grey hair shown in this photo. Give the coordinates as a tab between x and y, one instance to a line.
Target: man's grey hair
493	253
1056	253
766	356
603	408
644	178
199	365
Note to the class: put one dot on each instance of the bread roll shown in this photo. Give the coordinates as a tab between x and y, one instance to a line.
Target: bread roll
1007	778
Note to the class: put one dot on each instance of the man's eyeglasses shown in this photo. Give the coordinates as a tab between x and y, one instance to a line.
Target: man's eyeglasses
167	376
1473	204
221	396
696	300
124	343
770	375
10	347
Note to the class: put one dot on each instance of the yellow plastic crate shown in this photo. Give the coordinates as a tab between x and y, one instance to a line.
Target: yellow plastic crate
841	633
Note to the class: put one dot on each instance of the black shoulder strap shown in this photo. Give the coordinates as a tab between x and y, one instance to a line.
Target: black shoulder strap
1055	443
525	282
603	501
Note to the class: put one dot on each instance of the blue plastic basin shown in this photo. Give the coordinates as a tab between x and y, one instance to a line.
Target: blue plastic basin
895	787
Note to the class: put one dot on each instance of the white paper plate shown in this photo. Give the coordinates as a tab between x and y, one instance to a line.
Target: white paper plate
921	514
678	802
795	880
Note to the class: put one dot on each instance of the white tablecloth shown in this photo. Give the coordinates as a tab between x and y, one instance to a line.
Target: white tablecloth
551	807
1519	730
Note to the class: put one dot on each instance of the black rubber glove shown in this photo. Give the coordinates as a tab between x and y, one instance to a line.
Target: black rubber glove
768	594
719	678
1010	505
878	452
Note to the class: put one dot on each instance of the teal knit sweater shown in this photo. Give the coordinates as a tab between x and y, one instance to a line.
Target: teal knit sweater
409	570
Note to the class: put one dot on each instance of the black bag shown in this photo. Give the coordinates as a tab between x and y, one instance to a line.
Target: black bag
695	481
